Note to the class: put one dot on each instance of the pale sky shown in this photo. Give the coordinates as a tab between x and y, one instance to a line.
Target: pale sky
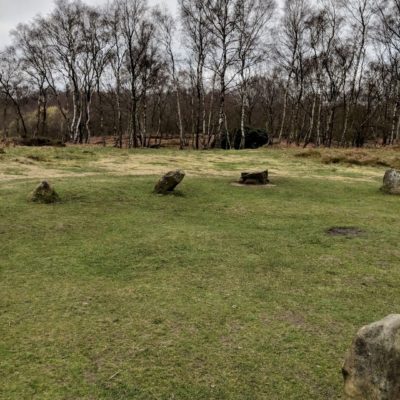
12	12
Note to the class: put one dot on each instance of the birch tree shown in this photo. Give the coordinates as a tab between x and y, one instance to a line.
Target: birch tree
252	17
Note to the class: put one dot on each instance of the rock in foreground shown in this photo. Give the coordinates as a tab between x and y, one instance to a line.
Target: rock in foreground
44	193
391	182
371	370
254	178
169	182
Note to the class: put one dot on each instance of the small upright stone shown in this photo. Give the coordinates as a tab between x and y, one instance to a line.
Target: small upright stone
391	182
44	193
169	182
371	370
254	178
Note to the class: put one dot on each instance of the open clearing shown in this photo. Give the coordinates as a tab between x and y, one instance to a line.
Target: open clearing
218	292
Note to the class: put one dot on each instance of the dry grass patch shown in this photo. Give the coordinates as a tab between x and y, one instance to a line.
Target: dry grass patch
49	163
311	153
362	158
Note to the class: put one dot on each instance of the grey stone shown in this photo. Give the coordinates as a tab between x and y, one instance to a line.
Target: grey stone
391	182
371	369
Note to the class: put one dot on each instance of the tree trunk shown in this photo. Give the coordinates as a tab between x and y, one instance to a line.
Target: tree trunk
395	113
5	126
210	115
44	114
20	118
242	118
345	121
145	139
285	102
308	136
75	100
133	139
178	107
38	114
88	116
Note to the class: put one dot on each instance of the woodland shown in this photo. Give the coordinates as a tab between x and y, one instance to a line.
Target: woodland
322	73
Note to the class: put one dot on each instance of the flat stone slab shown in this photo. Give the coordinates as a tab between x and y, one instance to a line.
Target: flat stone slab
254	178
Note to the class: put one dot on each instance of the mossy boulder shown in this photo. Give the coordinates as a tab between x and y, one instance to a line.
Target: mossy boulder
169	182
44	193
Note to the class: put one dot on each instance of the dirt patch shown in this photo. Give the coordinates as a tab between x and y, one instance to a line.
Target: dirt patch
294	319
348	231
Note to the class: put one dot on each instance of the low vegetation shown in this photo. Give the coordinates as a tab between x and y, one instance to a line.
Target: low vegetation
373	157
222	292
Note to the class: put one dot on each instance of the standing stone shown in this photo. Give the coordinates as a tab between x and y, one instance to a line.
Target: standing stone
44	193
391	182
254	178
371	370
169	182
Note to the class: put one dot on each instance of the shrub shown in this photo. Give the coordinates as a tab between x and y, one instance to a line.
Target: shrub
38	141
254	138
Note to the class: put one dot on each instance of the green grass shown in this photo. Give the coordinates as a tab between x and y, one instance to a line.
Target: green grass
222	292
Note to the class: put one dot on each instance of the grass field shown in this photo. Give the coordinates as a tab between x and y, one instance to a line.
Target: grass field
217	292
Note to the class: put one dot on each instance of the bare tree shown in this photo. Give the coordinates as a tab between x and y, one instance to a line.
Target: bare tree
389	36
291	53
29	42
361	13
221	22
63	30
252	17
137	32
195	25
117	58
95	55
166	30
12	82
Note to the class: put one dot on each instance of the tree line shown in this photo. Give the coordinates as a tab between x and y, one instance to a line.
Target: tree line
323	73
